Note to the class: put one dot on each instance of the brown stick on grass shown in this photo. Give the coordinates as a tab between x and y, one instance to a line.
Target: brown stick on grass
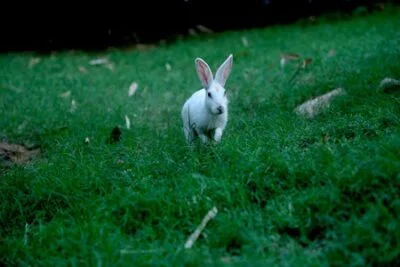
193	237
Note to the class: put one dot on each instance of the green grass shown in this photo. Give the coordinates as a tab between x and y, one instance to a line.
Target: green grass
289	191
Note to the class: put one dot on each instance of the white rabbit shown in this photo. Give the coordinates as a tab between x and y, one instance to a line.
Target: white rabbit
205	113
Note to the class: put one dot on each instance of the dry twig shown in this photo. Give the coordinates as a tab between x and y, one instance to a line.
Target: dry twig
193	237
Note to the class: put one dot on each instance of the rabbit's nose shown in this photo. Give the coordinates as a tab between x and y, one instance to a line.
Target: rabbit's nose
220	109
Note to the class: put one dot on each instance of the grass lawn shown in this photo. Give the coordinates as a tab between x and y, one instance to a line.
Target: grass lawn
289	190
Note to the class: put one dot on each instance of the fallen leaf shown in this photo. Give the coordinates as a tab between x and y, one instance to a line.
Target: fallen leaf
16	154
226	260
313	107
311	18
331	53
73	105
143	47
204	29
132	88
22	126
127	122
283	62
110	66
192	32
286	57
102	61
65	94
389	85
168	67
98	61
306	62
115	135
290	56
245	42
82	69
33	61
87	140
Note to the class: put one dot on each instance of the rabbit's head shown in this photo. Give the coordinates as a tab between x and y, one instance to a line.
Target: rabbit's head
216	99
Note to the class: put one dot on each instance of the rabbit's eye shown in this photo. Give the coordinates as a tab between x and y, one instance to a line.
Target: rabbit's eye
209	94
225	93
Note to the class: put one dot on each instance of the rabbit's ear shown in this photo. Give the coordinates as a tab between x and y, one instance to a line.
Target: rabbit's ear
223	71
204	72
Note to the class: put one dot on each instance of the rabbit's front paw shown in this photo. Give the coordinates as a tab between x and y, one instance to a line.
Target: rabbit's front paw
218	135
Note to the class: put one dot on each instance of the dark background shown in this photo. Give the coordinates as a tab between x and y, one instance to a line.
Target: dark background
56	25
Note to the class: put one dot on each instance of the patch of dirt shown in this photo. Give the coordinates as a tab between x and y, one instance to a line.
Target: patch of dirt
11	154
115	135
313	107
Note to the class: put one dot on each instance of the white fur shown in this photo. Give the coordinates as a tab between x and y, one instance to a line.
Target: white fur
202	114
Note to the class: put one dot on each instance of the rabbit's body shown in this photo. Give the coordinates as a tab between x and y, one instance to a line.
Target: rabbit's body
202	124
205	113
